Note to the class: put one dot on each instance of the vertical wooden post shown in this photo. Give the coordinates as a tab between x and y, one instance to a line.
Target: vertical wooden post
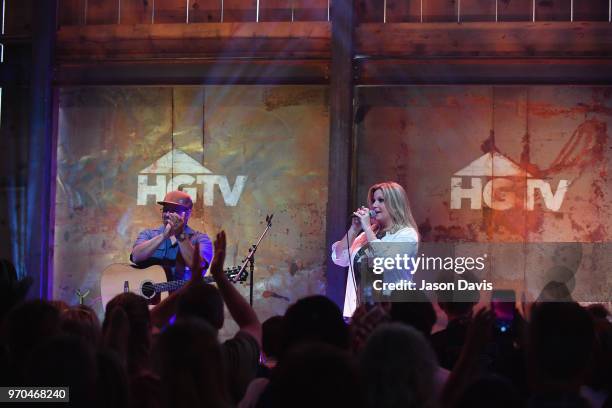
340	139
41	177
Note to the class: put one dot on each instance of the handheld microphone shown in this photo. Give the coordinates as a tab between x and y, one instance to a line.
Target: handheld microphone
372	214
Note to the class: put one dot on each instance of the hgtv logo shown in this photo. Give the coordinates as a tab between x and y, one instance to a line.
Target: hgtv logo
177	169
500	184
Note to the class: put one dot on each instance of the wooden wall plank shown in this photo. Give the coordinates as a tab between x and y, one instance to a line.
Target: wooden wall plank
545	39
136	11
485	71
404	11
205	11
275	10
310	10
203	72
170	11
515	10
71	12
553	10
18	17
477	10
206	40
591	10
312	39
368	11
102	12
439	10
239	10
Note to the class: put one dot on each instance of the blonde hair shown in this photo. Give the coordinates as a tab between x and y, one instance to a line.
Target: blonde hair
396	202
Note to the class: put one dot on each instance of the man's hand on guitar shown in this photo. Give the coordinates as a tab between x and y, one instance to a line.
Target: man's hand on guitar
216	266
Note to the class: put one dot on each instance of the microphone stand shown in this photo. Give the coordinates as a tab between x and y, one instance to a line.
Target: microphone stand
250	259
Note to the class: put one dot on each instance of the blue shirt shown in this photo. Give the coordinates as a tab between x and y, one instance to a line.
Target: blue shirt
168	255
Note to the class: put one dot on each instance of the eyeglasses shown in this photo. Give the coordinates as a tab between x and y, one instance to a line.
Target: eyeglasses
176	210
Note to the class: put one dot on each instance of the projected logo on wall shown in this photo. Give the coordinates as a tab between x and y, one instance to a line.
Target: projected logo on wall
509	186
176	169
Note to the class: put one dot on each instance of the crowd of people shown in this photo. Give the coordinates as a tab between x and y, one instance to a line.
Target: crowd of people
558	354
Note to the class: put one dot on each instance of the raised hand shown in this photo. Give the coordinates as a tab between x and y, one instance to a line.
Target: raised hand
239	308
216	266
196	264
468	367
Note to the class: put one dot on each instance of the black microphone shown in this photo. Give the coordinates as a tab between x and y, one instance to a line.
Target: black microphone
372	214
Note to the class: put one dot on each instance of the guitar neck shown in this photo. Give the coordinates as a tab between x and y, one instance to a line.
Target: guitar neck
177	284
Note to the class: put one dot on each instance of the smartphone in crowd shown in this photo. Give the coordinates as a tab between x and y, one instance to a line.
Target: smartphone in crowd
503	305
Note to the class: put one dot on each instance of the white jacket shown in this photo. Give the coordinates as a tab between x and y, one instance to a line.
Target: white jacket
407	234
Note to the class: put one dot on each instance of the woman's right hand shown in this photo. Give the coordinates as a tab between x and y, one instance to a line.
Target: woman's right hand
363	215
355	228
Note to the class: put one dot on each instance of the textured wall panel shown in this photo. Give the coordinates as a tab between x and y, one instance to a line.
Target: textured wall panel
519	148
275	136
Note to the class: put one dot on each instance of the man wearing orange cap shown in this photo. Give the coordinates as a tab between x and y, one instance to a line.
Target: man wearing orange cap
172	244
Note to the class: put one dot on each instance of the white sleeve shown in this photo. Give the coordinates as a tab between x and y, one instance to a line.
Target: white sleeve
343	259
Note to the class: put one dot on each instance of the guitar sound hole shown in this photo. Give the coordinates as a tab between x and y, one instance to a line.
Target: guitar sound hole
148	290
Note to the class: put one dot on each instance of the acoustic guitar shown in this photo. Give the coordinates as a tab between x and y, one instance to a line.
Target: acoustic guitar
150	282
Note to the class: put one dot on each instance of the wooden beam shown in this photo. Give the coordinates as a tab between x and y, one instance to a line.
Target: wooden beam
192	72
41	156
512	71
312	40
549	39
339	186
150	41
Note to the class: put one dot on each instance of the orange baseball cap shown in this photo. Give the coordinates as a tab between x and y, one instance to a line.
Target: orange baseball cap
178	198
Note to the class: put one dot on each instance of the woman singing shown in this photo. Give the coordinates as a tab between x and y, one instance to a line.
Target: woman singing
393	222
